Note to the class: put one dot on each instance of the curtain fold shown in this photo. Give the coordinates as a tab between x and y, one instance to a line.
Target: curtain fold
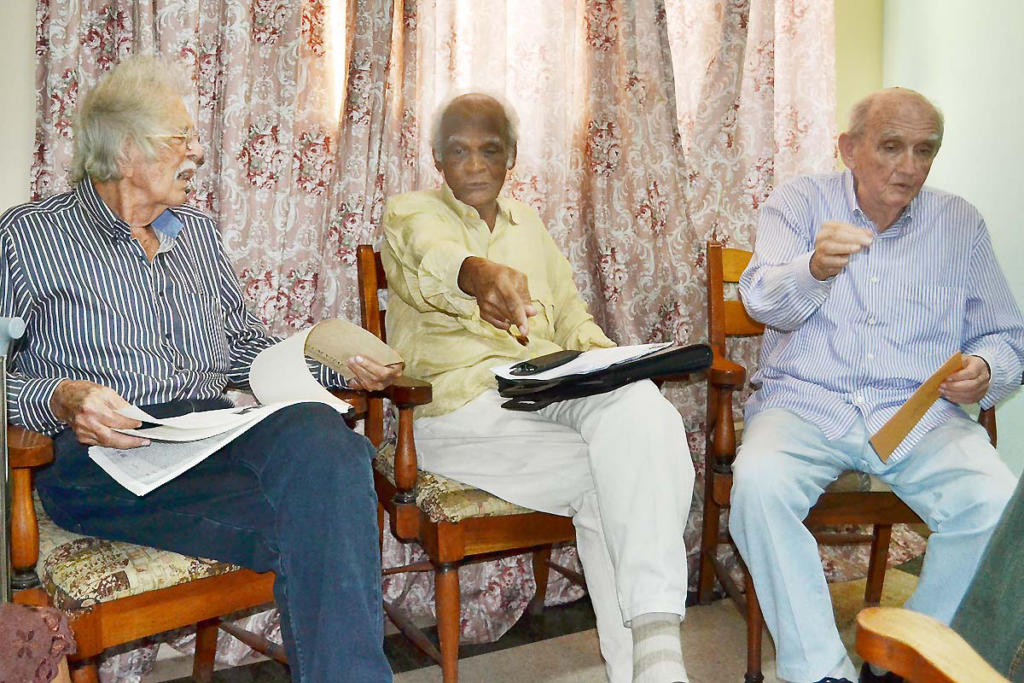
646	128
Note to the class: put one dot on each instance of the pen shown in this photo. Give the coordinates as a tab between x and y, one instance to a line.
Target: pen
518	336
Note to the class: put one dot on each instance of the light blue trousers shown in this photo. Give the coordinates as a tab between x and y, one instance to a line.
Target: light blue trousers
953	478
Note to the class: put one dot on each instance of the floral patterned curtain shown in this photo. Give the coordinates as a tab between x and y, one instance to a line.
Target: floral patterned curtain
646	127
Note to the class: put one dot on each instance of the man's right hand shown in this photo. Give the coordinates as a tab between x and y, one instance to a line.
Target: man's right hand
835	244
501	292
90	410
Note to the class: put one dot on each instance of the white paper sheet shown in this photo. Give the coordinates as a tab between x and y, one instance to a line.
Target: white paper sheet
279	377
590	361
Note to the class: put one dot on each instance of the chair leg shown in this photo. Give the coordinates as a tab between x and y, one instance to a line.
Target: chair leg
541	569
877	562
755	622
446	594
206	650
708	547
85	672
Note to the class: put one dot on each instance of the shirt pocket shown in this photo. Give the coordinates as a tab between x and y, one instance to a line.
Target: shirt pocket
932	314
544	304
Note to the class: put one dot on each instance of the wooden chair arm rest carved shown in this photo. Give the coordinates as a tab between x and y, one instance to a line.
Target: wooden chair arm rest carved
406	392
919	648
27	450
726	374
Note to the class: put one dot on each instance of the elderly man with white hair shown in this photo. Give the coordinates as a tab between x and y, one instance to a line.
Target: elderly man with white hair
465	264
129	299
868	282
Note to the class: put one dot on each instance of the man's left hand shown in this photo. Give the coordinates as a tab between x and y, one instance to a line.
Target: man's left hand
968	385
371	375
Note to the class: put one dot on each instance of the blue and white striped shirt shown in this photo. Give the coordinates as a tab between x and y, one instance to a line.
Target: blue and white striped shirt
860	343
97	309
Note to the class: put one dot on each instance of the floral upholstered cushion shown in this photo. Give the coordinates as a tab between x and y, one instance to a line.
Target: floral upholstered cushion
81	571
444	499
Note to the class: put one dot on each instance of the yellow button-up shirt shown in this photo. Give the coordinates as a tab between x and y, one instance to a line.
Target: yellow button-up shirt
437	327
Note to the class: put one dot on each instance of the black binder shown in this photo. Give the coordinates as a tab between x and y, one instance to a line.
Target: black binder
531	394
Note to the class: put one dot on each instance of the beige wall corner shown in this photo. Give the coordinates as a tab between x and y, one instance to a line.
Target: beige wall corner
17	55
858	53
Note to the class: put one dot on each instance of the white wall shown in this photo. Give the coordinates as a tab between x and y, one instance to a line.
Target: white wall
968	58
17	83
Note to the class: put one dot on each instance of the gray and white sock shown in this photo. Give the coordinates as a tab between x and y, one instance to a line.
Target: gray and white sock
657	650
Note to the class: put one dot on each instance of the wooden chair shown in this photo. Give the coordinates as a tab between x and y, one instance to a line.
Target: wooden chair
115	593
454	523
878	508
919	648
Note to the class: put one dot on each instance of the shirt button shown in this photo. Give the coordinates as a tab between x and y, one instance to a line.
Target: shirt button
871	356
873	280
871	320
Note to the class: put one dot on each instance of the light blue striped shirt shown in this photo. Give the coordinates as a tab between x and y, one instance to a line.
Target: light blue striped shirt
860	343
97	309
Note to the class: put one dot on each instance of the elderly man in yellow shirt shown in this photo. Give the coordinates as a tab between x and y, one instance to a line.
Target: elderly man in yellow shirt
464	265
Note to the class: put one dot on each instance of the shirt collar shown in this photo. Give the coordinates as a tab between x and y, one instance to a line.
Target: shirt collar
851	202
510	210
167	224
102	215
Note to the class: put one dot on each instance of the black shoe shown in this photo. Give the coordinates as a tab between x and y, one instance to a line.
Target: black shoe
829	679
869	676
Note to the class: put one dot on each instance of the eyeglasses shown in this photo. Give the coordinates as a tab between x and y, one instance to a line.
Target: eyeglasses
187	136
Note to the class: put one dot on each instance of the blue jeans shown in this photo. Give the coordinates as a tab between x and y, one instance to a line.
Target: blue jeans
294	494
953	478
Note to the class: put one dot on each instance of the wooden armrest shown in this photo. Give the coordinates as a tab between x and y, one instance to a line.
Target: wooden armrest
28	449
725	374
919	648
406	392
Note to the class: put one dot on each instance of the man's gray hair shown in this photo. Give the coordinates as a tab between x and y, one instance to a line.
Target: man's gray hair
129	103
860	111
509	123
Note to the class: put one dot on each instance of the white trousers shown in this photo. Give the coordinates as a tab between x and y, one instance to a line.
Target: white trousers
617	463
953	478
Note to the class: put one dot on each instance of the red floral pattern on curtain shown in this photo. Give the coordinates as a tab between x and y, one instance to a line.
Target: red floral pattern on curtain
646	128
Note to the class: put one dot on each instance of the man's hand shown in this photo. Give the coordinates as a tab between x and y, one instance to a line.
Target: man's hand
501	292
371	375
835	243
968	385
90	410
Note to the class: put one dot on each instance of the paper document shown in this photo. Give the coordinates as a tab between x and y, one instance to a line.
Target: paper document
590	361
279	377
140	470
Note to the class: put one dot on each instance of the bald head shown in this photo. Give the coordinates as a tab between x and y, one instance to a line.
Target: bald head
474	109
880	102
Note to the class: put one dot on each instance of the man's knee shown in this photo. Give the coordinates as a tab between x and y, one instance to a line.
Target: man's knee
763	490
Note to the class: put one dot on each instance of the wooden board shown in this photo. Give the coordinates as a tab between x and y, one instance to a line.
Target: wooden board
910	413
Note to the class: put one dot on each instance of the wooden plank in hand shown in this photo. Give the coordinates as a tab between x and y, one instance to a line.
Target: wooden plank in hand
899	425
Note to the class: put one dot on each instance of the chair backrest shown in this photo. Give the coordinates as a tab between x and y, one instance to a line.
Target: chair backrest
726	317
372	279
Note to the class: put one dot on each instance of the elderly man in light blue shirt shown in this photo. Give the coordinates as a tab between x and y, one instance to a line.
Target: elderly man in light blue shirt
867	282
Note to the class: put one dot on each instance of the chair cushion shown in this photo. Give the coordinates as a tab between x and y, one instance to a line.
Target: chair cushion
80	571
444	499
